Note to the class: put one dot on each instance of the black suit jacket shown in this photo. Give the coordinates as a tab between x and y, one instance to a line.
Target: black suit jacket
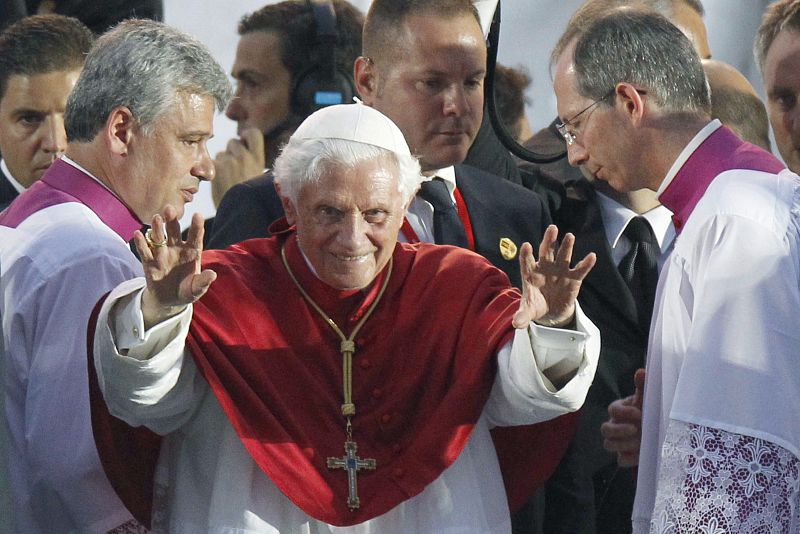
587	493
548	141
7	192
497	209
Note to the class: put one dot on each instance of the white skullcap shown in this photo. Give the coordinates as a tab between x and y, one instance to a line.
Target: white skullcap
354	122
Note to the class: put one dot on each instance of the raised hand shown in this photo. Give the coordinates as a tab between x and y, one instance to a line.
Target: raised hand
623	432
241	160
550	286
171	266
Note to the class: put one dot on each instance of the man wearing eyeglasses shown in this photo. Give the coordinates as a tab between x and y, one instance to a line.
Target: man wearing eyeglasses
717	452
589	493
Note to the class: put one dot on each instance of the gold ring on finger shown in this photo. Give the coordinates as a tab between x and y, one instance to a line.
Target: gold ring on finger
148	236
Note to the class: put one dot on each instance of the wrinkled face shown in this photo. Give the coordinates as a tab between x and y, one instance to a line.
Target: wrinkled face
263	84
347	223
599	132
32	132
166	166
782	86
691	23
433	88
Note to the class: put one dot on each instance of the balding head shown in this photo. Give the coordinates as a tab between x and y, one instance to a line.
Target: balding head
736	104
687	15
721	75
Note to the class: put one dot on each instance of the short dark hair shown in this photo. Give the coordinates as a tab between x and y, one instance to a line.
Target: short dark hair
385	19
647	50
41	44
509	95
293	21
779	16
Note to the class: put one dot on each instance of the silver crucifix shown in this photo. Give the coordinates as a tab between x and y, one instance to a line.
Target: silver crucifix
353	464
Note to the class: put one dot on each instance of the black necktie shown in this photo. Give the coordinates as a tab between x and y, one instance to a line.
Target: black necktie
447	227
639	268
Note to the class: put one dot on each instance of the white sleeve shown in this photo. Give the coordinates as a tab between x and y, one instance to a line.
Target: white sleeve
147	377
522	394
48	387
711	480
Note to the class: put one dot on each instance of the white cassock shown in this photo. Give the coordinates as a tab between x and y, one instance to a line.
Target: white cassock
721	428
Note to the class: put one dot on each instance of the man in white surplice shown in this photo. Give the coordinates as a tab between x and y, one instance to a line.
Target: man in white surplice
718	453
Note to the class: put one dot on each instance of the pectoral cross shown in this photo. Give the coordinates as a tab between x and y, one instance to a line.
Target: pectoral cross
353	464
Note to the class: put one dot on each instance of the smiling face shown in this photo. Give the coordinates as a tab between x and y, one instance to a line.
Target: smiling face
347	223
32	132
432	88
263	83
782	86
166	166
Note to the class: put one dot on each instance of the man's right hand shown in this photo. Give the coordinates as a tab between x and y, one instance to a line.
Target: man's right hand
171	266
623	432
241	160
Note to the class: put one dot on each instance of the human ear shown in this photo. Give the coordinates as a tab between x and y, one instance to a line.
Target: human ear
119	131
288	206
365	75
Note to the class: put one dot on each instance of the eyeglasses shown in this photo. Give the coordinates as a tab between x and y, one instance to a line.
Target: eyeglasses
570	134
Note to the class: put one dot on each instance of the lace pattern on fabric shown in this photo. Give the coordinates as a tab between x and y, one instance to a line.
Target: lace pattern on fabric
716	482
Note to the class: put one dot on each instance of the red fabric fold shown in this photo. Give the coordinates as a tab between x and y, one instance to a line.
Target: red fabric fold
128	455
419	386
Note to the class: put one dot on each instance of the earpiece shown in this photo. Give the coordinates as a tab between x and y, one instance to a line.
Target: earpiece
323	84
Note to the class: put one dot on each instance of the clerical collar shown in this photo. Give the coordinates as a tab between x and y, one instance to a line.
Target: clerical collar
67	159
10	177
722	151
687	151
67	176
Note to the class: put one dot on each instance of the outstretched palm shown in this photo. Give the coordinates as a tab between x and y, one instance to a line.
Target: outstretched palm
172	270
550	286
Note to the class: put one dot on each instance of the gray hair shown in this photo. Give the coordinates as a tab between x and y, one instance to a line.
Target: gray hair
643	49
591	10
142	65
305	161
779	16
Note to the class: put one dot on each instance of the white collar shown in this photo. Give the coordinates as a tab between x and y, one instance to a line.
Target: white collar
688	150
616	218
448	175
78	166
10	177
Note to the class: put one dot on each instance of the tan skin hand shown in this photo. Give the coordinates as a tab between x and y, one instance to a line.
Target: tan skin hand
622	433
173	273
550	286
241	160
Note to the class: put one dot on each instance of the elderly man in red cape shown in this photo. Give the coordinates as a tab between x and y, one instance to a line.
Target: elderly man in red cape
330	376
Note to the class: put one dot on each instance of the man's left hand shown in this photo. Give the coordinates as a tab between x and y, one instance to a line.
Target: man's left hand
241	160
550	286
